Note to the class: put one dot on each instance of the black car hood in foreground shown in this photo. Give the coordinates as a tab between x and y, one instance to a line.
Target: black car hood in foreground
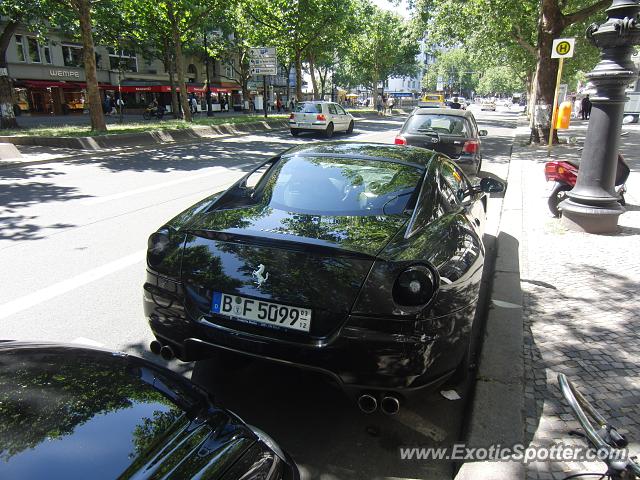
73	412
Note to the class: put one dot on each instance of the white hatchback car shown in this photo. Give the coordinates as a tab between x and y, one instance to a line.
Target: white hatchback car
328	117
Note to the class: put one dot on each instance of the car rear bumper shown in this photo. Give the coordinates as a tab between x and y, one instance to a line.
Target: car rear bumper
367	353
308	126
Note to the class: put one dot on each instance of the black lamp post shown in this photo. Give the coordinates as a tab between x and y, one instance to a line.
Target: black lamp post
592	204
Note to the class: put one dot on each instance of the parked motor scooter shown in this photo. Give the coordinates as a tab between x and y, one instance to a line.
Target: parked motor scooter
153	112
565	173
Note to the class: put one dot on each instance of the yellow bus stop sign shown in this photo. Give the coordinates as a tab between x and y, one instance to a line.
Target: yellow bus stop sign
563	48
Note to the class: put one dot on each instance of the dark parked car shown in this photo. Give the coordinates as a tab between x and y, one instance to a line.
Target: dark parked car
70	412
361	261
449	131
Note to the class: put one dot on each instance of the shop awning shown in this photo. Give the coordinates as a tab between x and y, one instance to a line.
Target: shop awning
50	83
167	88
44	83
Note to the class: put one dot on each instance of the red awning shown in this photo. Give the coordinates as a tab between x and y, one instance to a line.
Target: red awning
44	83
166	88
49	83
144	88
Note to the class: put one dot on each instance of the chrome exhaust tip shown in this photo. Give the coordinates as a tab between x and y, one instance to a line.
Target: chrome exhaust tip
390	404
166	352
155	347
367	403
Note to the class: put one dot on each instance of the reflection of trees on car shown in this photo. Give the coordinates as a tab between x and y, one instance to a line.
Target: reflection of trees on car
70	394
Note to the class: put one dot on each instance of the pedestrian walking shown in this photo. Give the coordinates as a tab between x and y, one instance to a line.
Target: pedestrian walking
120	105
106	105
577	107
293	104
586	108
390	105
278	105
379	105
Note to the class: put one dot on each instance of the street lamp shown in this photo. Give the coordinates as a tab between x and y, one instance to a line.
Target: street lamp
592	204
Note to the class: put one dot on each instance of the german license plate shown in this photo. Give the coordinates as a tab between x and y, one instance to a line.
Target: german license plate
261	312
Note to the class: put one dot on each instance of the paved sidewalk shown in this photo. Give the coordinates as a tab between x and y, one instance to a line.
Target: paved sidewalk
580	308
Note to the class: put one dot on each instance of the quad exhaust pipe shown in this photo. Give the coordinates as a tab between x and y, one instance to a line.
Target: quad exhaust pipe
165	351
390	404
369	403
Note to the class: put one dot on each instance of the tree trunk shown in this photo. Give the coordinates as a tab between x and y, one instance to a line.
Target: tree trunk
7	117
314	83
298	63
175	108
83	8
550	26
177	44
323	81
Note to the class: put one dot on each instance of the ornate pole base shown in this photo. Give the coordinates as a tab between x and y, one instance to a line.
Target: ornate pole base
591	219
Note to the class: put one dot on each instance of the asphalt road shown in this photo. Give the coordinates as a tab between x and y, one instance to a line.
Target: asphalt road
72	243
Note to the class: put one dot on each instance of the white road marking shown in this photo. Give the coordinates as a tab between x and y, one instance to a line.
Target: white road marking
158	186
60	288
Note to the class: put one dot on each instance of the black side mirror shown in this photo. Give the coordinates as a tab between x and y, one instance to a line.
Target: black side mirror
491	185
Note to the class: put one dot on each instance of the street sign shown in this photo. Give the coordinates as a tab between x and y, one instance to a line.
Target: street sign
262	52
439	85
263	71
563	48
262	62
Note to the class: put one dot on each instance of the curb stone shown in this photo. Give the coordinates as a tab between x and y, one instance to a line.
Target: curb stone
229	129
497	410
154	137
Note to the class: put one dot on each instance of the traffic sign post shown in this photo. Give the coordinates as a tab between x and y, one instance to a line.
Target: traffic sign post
263	61
562	48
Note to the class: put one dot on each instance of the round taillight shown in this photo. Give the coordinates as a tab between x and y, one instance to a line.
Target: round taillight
415	286
157	246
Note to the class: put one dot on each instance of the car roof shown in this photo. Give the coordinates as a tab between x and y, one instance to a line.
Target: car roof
415	156
443	111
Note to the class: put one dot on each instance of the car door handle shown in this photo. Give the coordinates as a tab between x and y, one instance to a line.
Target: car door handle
477	220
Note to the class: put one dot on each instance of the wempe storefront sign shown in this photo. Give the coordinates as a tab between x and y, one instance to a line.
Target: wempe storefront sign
64	73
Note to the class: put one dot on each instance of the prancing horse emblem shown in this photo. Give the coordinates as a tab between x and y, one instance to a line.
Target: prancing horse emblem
258	275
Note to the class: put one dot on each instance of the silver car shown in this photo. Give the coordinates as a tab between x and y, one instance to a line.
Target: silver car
328	117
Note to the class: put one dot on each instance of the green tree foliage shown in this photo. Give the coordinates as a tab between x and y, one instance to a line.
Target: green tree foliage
458	70
499	81
385	46
515	33
300	25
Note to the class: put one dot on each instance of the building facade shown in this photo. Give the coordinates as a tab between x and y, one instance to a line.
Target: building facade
49	77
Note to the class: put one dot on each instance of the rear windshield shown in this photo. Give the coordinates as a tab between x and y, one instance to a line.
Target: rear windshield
445	124
309	108
339	186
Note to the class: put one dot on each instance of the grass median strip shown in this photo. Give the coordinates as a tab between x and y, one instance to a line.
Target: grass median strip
148	126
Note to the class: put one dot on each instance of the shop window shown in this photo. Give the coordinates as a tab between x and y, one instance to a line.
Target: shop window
124	60
72	55
34	50
22	57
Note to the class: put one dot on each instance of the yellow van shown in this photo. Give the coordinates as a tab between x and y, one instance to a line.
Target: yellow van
432	100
